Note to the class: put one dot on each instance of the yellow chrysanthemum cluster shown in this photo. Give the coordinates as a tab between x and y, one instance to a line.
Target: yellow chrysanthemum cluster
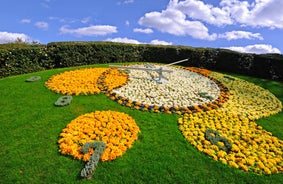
248	99
86	81
253	149
118	130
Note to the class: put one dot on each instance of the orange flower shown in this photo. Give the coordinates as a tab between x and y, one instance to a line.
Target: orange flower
108	126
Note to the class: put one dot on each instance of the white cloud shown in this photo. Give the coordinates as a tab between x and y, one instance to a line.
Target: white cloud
174	22
42	25
257	48
25	21
97	30
146	31
260	13
234	35
123	40
6	37
127	23
132	41
188	17
198	10
159	42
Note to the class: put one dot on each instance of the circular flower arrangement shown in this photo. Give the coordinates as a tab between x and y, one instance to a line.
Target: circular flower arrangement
117	130
86	81
185	91
252	148
216	123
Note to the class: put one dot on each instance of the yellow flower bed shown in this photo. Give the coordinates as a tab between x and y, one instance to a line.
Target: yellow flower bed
86	81
253	148
248	99
118	130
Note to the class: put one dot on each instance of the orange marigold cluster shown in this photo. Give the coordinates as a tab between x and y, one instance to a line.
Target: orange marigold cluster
118	130
82	81
86	81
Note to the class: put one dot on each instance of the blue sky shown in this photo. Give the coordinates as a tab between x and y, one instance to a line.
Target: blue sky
254	26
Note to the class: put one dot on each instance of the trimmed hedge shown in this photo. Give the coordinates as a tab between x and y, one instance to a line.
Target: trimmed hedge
21	58
18	59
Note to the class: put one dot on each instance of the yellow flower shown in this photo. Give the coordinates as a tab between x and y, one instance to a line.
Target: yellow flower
233	164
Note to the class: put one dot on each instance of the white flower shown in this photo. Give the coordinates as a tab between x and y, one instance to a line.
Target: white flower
182	89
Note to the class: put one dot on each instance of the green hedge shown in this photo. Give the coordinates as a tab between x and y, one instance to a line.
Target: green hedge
22	58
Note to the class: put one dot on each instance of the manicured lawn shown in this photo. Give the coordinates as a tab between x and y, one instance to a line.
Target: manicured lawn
31	124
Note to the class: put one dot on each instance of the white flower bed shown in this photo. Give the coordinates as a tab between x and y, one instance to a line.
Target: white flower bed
183	88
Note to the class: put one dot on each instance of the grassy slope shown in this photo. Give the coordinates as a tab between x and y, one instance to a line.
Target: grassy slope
30	126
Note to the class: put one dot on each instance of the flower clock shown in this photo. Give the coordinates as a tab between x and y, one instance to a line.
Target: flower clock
218	114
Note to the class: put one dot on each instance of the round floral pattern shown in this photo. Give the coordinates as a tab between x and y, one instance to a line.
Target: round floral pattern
118	130
183	88
187	90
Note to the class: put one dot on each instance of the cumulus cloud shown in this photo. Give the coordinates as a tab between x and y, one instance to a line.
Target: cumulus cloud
174	22
235	35
97	30
188	17
160	42
41	25
257	49
258	13
123	40
198	10
6	37
146	31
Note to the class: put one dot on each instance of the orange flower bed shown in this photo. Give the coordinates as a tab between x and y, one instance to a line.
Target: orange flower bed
118	130
83	81
86	81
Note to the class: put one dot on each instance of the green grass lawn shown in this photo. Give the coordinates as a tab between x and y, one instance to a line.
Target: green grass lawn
31	124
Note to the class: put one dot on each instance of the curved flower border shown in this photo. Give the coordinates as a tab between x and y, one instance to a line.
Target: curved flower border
253	148
118	130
